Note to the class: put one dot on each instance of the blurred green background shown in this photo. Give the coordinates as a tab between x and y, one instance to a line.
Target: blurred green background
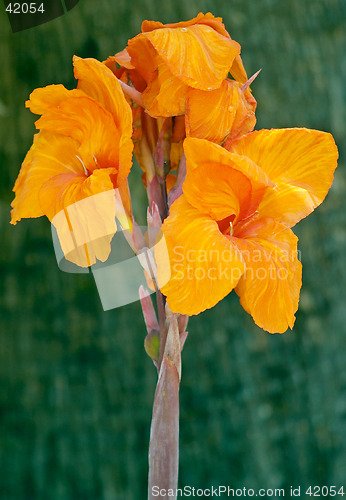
76	387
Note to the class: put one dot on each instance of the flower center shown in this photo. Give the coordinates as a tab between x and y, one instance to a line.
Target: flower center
226	225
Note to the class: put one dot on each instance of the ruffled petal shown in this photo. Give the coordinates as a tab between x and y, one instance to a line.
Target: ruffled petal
49	156
207	19
166	94
199	152
91	125
168	74
143	57
218	190
64	190
198	55
122	58
210	114
269	288
98	81
300	162
203	264
219	114
51	96
85	223
286	203
238	71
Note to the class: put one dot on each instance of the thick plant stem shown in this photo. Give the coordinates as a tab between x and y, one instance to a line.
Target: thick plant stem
166	334
164	432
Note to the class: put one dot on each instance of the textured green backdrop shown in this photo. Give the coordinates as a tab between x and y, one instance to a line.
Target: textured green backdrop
76	387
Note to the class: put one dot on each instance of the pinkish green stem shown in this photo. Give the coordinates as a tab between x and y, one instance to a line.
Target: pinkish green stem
164	432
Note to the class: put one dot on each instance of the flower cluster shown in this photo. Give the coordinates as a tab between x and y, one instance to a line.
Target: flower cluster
179	96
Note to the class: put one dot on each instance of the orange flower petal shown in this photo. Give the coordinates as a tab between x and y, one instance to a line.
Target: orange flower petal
122	58
43	98
204	265
171	179
301	162
86	223
210	114
165	95
218	114
286	203
207	19
60	191
64	190
164	59
50	155
198	55
218	190
269	288
200	151
91	125
98	81
238	71
143	57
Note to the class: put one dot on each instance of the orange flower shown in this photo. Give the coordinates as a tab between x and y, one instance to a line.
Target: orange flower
231	227
171	58
82	152
185	67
